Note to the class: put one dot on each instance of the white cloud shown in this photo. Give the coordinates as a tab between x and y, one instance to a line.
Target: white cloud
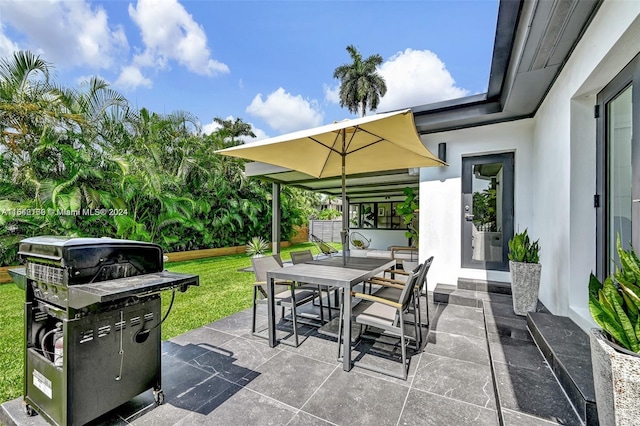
209	128
7	47
332	94
71	33
83	80
131	77
285	112
170	33
416	77
260	134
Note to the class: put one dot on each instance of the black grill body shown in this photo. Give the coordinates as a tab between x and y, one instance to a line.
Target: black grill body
92	324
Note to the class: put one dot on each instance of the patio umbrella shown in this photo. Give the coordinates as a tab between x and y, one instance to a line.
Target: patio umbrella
380	142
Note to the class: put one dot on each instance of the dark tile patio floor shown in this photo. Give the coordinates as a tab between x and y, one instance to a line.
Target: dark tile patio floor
220	374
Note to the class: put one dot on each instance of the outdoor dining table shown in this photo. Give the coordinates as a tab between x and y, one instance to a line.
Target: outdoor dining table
327	272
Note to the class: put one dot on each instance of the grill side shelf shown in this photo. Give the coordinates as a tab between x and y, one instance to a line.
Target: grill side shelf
83	295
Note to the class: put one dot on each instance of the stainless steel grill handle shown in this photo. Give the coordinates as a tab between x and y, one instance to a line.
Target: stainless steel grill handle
121	351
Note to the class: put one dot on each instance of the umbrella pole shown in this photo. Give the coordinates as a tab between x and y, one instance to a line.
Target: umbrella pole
345	214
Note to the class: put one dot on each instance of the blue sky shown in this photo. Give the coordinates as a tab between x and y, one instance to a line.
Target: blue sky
270	63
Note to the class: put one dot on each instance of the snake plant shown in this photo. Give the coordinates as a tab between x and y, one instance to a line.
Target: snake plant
521	249
615	303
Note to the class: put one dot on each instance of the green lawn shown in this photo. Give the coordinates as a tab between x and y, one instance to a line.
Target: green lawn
222	291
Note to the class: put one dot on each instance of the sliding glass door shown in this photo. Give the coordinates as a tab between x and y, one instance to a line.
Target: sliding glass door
619	167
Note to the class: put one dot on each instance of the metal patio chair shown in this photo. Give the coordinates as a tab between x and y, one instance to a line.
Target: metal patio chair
387	315
286	294
391	288
302	256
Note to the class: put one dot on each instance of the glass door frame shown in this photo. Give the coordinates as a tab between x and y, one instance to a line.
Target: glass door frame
629	76
508	161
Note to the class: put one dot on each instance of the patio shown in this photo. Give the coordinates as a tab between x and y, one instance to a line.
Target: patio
221	374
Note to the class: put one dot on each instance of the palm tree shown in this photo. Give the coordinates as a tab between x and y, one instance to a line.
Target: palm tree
361	86
26	103
234	129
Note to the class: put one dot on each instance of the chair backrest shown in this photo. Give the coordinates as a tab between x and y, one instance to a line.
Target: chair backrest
263	264
408	289
301	256
422	281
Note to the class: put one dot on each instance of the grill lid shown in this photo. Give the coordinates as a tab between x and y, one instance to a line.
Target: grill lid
88	260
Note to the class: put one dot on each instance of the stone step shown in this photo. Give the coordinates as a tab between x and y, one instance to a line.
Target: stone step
472	293
452	295
484	286
566	348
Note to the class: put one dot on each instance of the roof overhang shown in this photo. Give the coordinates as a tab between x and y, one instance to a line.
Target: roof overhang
361	187
534	39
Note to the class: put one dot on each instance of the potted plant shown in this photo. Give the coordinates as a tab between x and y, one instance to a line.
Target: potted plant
408	209
257	246
615	350
524	257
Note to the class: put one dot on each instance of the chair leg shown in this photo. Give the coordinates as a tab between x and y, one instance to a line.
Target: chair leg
253	321
418	330
294	315
417	317
321	305
403	348
426	306
329	302
340	331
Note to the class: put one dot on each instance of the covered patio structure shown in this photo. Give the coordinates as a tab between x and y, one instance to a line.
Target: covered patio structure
385	186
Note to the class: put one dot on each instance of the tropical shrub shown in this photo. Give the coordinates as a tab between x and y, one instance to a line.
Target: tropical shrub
615	303
257	246
329	214
91	165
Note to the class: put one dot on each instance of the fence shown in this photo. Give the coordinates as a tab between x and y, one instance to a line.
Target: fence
326	230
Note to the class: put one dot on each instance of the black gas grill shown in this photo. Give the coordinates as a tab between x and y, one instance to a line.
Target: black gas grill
93	316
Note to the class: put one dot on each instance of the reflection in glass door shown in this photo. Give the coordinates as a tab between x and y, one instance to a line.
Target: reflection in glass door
487	210
618	167
618	123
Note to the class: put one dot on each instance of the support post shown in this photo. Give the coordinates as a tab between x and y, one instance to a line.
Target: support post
275	218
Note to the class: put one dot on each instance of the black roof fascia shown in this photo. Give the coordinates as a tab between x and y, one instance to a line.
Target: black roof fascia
485	103
489	108
592	14
508	18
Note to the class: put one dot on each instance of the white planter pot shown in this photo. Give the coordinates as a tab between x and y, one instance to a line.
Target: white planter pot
616	377
525	283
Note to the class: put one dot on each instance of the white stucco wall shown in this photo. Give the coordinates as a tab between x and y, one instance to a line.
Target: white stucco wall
381	239
440	194
555	170
564	154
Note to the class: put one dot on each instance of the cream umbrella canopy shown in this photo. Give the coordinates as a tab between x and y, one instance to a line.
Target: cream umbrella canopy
380	142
